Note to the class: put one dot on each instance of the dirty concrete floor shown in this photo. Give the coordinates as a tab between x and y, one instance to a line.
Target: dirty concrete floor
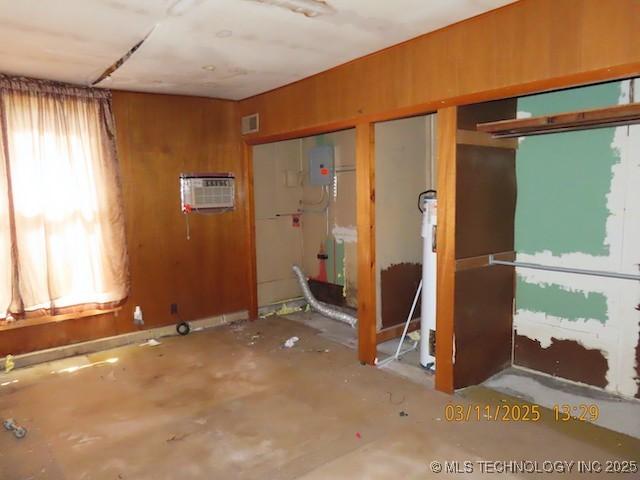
615	413
407	365
230	403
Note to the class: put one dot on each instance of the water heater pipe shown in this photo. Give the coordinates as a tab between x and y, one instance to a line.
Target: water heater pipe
320	307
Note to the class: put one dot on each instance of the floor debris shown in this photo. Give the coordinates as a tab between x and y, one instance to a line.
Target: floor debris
12	426
152	342
391	399
285	310
403	414
415	336
238	325
290	342
9	364
177	438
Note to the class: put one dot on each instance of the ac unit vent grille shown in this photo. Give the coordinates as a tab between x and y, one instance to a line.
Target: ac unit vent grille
250	123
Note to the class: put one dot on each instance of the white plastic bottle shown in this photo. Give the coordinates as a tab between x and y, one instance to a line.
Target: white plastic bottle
137	316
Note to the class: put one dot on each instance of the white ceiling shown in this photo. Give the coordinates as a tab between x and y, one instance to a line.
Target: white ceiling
250	45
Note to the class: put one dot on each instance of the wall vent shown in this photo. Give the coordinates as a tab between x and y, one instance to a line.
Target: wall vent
251	123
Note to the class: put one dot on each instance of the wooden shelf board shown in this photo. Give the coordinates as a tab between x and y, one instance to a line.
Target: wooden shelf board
564	122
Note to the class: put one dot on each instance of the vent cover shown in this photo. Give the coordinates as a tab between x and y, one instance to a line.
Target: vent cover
250	123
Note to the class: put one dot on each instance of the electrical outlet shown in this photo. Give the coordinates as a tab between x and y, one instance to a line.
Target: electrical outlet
174	309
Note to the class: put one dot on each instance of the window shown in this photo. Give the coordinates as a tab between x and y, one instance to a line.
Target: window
62	242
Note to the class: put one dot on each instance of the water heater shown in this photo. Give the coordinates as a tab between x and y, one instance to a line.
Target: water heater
428	306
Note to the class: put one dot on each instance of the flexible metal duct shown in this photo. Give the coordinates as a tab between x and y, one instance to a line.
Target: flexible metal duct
320	307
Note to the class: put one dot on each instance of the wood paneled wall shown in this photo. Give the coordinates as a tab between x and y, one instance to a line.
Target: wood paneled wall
531	45
160	136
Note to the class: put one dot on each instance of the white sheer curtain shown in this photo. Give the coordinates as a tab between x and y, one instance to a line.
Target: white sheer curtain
62	242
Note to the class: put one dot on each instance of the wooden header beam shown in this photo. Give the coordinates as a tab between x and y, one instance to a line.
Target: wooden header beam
564	122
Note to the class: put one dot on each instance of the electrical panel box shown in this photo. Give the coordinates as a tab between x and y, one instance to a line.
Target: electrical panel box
207	192
321	165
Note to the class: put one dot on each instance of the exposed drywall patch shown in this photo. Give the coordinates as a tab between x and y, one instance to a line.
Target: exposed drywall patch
559	301
563	358
618	336
398	285
564	178
574	187
339	259
595	96
345	234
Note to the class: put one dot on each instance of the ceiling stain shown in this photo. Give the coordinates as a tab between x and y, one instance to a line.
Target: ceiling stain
255	45
127	7
274	42
234	72
308	8
51	34
180	7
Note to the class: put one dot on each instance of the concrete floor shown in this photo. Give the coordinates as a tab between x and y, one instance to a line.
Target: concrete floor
407	365
231	403
615	413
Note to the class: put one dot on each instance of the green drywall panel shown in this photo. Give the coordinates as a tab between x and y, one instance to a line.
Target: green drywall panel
556	301
322	140
340	280
595	96
564	178
331	253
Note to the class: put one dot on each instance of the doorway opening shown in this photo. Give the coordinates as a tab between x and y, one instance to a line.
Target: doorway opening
305	215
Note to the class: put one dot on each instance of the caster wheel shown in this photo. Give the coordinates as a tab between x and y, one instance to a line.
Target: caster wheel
183	328
19	432
8	424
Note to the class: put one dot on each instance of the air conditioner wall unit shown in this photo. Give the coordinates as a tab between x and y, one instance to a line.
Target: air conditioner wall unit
201	192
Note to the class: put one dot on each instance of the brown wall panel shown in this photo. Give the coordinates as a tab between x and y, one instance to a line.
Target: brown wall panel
563	358
326	292
160	136
470	115
486	200
527	46
483	323
485	209
398	285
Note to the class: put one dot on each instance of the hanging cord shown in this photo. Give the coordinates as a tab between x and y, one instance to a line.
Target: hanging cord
325	196
319	202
